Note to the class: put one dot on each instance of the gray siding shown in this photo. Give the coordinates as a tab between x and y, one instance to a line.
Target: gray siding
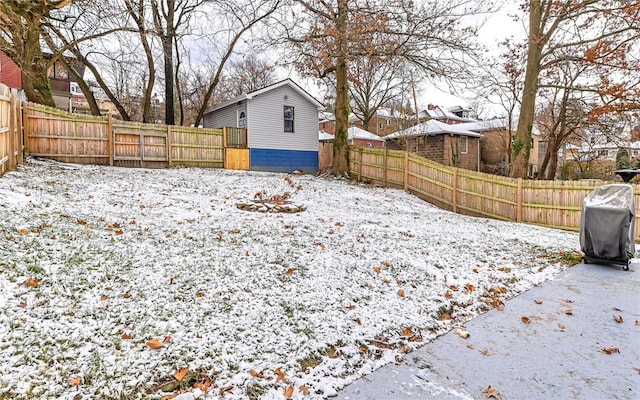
227	116
265	121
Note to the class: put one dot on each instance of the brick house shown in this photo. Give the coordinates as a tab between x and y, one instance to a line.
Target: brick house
443	143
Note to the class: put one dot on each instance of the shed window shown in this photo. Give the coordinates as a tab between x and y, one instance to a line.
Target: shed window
463	144
242	119
288	119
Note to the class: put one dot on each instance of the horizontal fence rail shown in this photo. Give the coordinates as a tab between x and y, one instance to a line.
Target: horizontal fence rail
555	204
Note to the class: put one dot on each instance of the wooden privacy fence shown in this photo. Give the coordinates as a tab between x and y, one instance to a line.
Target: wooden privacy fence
10	129
82	139
556	204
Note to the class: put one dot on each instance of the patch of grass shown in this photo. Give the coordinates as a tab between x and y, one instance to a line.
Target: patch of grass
309	362
255	390
570	258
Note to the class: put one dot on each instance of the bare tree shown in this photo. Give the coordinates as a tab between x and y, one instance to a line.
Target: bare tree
328	35
598	32
20	29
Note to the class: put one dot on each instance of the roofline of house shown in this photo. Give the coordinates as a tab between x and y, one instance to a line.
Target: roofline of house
252	94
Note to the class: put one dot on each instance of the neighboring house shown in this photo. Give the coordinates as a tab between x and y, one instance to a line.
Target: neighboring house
452	115
360	137
59	77
281	121
327	122
440	142
10	73
496	145
384	122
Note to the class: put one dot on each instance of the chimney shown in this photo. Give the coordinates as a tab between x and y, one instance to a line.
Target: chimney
431	107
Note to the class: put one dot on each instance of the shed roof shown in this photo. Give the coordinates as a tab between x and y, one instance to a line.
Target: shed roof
359	133
254	93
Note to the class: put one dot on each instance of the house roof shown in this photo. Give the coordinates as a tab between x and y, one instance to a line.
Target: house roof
438	112
494	124
254	93
433	127
324	136
359	133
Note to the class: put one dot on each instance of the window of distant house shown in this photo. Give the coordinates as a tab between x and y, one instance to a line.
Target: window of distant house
603	153
242	119
463	144
288	119
380	125
388	122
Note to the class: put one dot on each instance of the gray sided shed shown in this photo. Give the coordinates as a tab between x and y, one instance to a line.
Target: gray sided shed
262	112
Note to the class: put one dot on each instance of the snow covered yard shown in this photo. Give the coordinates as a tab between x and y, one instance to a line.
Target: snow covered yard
114	281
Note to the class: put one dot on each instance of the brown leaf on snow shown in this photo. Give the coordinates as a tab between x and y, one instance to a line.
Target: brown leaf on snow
204	386
357	321
23	232
289	271
75	381
154	344
181	373
448	295
31	282
618	319
453	288
104	297
377	269
469	288
167	339
288	392
637	323
561	326
485	352
616	309
304	390
126	336
385	280
491	393
281	376
610	350
462	333
568	311
256	374
526	320
401	292
470	346
538	301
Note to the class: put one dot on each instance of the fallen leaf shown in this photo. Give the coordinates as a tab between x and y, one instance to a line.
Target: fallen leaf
31	282
485	352
119	232
453	288
357	321
351	307
256	374
22	304
169	396
475	270
568	311
405	349
126	336
616	309
469	288
204	386
288	392
407	332
491	392
127	295
167	339
81	222
181	373
104	297
75	381
562	327
618	319
200	294
385	280
537	301
611	350
377	269
281	376
462	333
304	390
23	232
637	323
470	346
526	320
448	295
401	292
154	344
289	271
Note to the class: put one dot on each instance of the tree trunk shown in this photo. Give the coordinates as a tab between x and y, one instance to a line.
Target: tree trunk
167	45
521	146
340	147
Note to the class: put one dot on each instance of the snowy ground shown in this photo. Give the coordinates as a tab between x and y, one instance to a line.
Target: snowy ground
96	262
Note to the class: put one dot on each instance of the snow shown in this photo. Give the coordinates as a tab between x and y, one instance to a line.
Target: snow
234	295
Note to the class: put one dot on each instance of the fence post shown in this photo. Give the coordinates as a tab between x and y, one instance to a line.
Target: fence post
12	150
454	194
169	133
25	126
519	201
19	131
359	163
225	136
384	171
405	179
110	139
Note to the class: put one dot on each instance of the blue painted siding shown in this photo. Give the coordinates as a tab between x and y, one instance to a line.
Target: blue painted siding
283	160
